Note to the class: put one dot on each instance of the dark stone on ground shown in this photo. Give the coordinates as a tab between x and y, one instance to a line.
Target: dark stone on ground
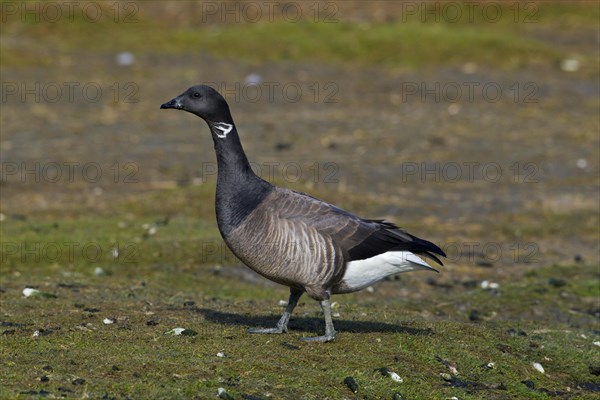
474	316
557	282
290	346
351	383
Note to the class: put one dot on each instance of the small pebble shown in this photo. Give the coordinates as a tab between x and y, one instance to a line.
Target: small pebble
569	65
397	396
125	58
474	316
44	378
529	384
557	282
221	393
253	79
78	381
453	109
351	383
582	163
290	346
539	367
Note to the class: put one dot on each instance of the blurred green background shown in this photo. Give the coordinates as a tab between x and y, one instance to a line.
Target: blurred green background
474	125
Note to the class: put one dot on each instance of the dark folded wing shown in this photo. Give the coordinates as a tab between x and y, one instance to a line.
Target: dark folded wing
357	237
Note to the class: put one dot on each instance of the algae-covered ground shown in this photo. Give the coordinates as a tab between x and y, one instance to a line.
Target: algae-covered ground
108	234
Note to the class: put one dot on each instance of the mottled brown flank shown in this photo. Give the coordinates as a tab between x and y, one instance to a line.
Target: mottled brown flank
279	244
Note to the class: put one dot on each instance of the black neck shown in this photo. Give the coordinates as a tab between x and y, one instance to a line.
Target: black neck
231	159
239	190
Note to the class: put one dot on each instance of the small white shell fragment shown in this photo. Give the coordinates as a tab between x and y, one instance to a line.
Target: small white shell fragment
152	230
36	334
30	292
370	289
491	365
221	354
125	58
335	304
282	303
453	109
582	163
395	377
114	252
489	285
539	367
108	321
221	393
181	332
453	370
98	271
569	65
336	315
597	343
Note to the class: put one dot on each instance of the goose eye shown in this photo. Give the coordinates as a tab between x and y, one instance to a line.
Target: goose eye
196	94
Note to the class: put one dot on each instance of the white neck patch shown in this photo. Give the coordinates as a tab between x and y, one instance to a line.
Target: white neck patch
224	127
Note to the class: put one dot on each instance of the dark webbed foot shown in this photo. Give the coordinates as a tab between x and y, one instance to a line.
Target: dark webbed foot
277	329
283	321
325	338
329	331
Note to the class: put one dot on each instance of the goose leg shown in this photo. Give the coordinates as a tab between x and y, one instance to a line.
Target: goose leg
329	331
282	324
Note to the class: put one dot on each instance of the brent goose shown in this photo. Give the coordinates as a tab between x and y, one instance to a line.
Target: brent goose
290	237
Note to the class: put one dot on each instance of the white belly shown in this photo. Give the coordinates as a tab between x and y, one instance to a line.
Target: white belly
363	273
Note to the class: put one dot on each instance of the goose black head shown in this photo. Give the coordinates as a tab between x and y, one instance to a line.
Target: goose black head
202	101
